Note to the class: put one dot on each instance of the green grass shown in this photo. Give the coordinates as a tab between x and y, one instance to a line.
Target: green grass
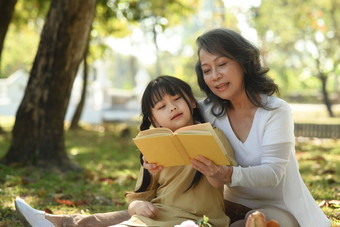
111	168
111	164
319	162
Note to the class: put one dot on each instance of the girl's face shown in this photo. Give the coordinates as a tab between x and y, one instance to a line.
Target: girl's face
172	112
222	75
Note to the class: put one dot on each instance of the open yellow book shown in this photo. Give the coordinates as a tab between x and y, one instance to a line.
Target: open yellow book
167	148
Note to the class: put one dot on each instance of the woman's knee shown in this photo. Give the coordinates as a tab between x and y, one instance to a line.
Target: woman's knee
284	218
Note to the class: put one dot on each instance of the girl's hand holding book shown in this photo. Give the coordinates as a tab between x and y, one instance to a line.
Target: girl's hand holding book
151	167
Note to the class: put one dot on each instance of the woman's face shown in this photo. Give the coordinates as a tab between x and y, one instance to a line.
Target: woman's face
223	75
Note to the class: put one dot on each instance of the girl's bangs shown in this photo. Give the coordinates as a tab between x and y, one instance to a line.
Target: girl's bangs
161	89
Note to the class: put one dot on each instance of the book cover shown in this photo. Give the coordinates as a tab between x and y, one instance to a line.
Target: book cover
167	148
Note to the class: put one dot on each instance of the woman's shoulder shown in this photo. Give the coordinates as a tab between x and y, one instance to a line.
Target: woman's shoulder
277	108
274	102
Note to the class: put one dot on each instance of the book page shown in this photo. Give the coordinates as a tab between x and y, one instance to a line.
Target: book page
198	127
154	132
191	129
193	132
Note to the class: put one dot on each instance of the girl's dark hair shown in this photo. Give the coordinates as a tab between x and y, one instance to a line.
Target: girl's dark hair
154	92
228	43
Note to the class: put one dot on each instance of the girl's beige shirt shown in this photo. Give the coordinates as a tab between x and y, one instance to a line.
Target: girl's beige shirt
167	193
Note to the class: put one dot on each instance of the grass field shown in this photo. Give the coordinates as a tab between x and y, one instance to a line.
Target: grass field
111	167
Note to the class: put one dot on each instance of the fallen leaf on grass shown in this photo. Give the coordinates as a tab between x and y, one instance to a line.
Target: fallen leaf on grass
48	211
71	203
108	180
316	158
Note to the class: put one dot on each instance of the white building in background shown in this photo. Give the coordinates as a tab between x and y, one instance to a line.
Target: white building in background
103	102
13	88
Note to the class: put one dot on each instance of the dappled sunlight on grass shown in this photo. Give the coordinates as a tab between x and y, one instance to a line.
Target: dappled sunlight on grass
319	161
111	165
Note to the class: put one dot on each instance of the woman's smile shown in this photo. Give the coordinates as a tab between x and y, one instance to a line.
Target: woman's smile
222	87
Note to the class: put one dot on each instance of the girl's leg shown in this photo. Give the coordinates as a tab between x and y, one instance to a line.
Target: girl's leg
30	216
38	218
98	220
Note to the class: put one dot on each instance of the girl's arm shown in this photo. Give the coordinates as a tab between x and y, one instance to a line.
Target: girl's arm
217	175
143	208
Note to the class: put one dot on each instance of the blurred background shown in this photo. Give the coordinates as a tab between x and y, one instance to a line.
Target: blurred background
134	41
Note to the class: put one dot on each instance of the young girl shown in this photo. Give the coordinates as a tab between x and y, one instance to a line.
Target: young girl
177	193
174	194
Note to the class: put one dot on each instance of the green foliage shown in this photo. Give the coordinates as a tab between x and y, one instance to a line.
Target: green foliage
112	19
109	21
30	13
204	222
298	39
18	56
118	17
23	36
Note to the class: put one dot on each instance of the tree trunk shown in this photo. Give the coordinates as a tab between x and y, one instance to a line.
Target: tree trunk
133	70
38	132
158	60
80	107
328	104
6	12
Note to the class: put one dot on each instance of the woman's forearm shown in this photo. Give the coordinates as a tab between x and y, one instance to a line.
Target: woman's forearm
223	176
